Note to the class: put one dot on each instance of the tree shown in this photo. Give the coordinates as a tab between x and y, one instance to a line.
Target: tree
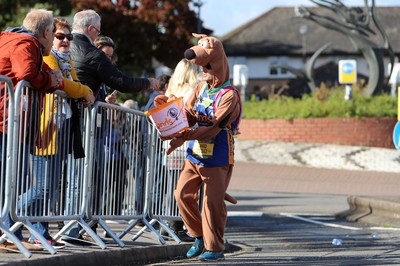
13	12
145	29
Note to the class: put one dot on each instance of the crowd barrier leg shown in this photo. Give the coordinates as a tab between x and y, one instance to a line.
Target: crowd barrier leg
149	225
64	229
169	231
93	234
28	225
10	235
40	237
131	224
85	227
111	233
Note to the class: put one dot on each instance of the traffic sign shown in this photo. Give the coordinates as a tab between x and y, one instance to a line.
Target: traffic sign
347	71
396	135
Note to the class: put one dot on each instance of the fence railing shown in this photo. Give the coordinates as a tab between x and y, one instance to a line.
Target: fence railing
7	161
82	166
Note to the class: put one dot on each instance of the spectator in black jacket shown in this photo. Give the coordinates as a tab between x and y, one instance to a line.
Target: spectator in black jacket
93	67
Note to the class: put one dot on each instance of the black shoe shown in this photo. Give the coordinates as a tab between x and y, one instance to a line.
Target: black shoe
163	232
140	224
106	235
176	226
185	237
75	241
60	225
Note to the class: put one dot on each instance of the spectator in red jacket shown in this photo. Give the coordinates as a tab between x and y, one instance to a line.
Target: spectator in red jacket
21	58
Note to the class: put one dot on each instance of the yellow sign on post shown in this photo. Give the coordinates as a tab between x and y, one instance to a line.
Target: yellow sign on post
347	71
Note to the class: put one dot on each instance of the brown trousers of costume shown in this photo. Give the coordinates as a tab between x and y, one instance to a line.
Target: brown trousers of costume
210	223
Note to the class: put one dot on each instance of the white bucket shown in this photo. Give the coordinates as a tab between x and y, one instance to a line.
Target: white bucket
169	118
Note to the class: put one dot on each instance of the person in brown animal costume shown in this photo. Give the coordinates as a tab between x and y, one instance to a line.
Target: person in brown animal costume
213	111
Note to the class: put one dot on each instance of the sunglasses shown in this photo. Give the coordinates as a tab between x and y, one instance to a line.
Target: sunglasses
61	36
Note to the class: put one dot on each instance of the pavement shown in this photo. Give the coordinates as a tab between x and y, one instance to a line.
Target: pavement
368	177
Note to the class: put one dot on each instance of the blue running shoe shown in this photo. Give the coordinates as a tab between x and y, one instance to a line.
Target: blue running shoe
212	256
196	249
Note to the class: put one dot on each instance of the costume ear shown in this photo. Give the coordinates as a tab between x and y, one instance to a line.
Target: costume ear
199	36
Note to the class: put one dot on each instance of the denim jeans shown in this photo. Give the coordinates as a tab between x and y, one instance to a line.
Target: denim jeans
75	183
47	172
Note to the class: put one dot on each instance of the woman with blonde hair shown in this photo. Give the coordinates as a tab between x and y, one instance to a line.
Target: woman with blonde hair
183	80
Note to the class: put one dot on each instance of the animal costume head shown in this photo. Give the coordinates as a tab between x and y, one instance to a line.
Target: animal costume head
209	53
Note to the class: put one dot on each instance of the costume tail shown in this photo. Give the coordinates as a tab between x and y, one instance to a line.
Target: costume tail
230	199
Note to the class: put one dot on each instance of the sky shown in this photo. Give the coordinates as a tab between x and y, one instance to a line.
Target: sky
225	16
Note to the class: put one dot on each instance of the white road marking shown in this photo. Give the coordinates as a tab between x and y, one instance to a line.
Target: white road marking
384	228
317	217
319	223
244	214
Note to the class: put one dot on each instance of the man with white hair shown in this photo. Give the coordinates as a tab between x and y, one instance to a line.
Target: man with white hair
22	50
92	65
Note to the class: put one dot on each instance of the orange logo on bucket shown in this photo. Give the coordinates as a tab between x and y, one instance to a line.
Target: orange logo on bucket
166	123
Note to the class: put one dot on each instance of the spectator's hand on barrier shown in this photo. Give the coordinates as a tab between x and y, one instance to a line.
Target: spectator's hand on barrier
154	84
112	99
56	78
89	100
160	100
174	144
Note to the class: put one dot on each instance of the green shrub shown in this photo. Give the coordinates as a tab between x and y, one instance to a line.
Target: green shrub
322	103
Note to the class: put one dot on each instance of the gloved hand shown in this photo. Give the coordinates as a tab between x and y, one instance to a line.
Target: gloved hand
174	144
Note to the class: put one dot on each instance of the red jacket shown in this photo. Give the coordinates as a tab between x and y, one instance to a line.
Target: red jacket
21	59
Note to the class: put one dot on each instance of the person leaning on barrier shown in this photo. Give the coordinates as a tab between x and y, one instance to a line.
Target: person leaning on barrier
164	81
54	143
21	58
92	65
115	162
21	55
107	45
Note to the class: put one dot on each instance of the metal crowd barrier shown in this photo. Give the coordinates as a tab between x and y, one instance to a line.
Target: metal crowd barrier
44	136
162	204
117	183
122	173
130	173
8	155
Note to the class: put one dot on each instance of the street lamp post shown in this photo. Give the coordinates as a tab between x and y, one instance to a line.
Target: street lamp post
198	4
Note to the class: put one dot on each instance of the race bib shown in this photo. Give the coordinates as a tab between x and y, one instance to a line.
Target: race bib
203	148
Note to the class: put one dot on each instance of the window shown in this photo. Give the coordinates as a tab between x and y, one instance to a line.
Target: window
273	71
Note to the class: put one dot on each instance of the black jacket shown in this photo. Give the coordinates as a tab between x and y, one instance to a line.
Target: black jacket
93	68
